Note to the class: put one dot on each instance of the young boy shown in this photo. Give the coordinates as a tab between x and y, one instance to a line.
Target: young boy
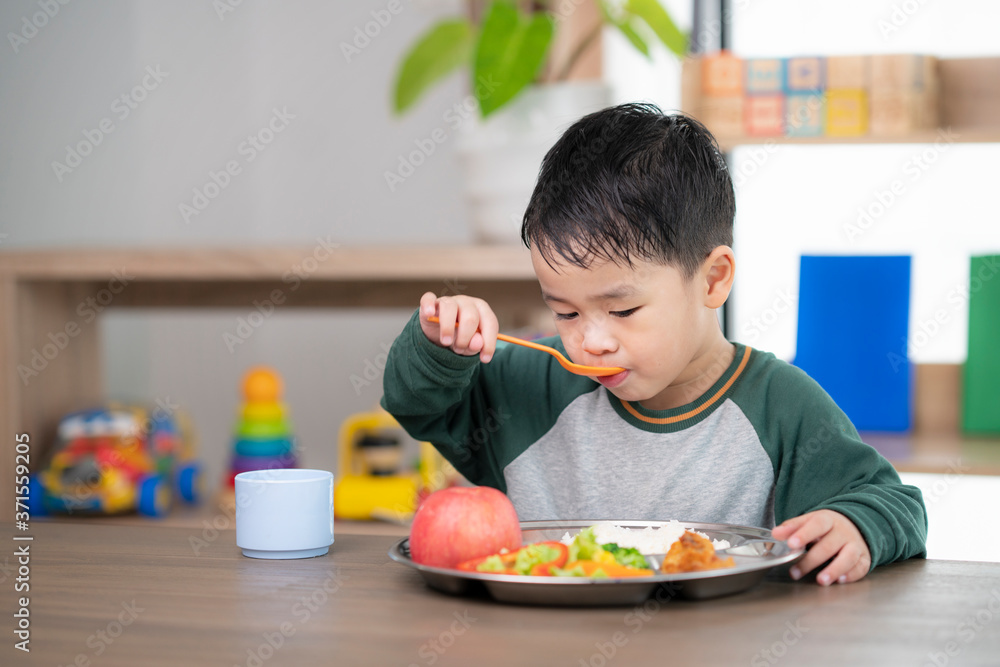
630	233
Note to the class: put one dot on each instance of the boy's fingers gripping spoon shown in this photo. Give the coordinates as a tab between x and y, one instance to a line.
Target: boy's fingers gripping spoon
579	369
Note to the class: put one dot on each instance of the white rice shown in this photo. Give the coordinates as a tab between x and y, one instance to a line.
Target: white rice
648	540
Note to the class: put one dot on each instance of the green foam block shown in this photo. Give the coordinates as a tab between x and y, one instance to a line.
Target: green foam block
266	429
981	376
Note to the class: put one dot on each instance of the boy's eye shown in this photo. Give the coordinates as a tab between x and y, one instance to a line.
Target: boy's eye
564	316
623	313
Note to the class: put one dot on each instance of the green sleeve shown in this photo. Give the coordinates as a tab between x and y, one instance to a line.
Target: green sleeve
820	462
479	416
428	390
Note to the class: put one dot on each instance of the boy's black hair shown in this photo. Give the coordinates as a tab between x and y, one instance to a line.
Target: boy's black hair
629	182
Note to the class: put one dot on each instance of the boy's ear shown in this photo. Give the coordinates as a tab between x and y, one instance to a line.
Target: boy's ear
718	272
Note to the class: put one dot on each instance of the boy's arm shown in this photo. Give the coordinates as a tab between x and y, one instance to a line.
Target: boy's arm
860	484
432	392
821	463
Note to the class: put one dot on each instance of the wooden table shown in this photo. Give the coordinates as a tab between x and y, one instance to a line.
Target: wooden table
105	594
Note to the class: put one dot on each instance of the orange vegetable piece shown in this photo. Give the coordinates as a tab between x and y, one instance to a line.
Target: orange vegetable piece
613	570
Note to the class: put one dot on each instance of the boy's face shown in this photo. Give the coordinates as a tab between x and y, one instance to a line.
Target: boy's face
647	319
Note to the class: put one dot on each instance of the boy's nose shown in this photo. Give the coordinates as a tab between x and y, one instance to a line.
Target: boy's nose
598	340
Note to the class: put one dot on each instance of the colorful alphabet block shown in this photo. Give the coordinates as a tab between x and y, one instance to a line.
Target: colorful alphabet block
765	115
846	113
765	75
810	96
722	75
903	72
804	75
848	72
804	114
724	115
904	94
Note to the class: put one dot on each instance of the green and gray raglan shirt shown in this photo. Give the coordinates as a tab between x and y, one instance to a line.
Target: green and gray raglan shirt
764	444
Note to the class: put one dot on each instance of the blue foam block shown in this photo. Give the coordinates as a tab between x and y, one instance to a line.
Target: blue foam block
852	336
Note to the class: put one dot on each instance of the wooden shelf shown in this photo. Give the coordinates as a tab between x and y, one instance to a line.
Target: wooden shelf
976	136
969	98
321	262
50	299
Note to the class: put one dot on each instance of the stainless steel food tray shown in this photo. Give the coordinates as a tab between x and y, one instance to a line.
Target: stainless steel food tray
753	549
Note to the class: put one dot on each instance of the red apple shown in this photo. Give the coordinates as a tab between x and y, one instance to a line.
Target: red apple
459	523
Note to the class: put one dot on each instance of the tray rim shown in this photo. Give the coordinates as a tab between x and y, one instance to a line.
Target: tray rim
397	555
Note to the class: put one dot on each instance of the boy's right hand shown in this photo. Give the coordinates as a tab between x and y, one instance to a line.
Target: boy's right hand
466	325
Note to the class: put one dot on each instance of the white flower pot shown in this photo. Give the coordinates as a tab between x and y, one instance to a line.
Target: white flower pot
500	157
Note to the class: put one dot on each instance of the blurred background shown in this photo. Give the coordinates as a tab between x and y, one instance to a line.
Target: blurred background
217	73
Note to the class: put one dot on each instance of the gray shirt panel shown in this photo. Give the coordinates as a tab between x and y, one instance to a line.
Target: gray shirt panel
592	464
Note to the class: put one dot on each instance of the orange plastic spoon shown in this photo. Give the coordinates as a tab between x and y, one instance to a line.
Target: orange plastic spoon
579	369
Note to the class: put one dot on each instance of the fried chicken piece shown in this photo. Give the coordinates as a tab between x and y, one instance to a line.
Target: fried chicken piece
693	553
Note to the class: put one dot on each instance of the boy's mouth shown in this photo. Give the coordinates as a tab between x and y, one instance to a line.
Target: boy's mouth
612	381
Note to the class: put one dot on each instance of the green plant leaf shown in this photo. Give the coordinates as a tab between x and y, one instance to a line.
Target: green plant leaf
441	50
510	52
625	25
637	41
657	18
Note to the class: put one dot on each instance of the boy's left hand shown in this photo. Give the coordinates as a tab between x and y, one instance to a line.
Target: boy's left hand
831	534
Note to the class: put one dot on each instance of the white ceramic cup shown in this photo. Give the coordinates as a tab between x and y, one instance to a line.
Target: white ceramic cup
284	513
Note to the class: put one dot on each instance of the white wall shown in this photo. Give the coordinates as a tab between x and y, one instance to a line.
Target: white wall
794	200
954	502
321	176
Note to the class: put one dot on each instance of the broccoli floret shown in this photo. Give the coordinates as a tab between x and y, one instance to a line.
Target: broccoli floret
628	556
